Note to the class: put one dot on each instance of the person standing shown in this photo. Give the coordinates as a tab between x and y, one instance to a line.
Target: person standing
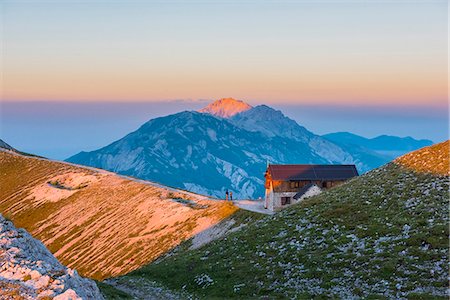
231	196
226	195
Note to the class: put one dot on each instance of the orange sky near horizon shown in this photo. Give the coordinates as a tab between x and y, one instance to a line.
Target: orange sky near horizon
317	88
324	53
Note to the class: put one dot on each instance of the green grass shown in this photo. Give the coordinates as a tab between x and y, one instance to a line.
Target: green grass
383	235
240	217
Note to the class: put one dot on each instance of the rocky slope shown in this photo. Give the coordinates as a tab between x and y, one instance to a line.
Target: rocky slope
97	222
273	123
29	271
198	152
382	235
183	149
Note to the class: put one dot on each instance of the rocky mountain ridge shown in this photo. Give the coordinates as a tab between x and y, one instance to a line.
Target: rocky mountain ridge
184	148
29	271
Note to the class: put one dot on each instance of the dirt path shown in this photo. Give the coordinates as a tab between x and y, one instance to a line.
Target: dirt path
253	205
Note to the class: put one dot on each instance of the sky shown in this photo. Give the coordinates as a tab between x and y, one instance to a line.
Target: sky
370	67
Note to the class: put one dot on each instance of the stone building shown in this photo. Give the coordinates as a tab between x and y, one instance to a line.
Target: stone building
289	184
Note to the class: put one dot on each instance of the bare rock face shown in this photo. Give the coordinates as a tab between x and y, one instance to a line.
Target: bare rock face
29	271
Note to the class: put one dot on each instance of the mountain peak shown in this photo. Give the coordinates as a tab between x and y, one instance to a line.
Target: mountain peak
226	107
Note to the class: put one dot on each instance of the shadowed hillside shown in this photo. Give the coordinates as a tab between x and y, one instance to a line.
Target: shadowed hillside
96	222
381	235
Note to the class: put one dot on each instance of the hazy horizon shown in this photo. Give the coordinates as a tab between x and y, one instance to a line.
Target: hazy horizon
60	129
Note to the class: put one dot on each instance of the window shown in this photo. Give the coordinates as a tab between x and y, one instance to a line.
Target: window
324	184
294	184
285	200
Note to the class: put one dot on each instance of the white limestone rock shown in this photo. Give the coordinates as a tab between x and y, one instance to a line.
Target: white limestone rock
29	270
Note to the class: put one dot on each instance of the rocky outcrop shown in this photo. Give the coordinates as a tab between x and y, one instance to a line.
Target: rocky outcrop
29	271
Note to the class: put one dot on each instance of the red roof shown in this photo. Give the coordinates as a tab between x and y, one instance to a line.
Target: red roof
312	172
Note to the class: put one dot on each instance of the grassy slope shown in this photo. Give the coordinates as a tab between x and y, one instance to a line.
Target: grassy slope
107	228
384	234
137	285
111	293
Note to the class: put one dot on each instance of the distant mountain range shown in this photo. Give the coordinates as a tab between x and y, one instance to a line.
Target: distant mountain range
390	146
225	145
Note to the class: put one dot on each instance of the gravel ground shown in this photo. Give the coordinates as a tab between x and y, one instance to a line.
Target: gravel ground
143	289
